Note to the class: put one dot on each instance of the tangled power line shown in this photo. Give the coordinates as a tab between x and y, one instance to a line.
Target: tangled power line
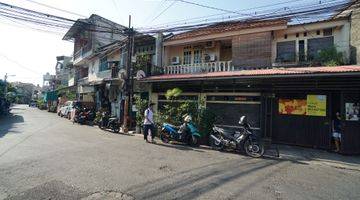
57	24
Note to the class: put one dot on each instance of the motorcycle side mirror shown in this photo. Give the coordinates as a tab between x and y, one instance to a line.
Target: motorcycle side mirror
242	120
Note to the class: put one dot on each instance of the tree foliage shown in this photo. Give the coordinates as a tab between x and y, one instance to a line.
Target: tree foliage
330	57
141	105
173	112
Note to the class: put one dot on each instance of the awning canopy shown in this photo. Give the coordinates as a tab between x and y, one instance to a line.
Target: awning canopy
259	73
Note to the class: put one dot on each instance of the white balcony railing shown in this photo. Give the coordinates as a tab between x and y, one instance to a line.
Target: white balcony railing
81	54
83	81
219	66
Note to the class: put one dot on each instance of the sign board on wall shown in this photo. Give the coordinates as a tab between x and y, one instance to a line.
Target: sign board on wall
292	106
313	105
352	111
316	105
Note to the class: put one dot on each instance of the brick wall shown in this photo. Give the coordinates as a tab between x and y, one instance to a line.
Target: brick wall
252	50
355	37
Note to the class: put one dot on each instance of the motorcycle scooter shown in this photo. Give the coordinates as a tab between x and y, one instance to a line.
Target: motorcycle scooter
186	133
107	122
242	139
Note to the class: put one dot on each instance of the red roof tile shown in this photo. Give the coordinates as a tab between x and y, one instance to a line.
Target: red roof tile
255	73
227	26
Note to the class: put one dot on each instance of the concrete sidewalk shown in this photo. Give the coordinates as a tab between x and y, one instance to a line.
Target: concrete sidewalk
319	157
306	156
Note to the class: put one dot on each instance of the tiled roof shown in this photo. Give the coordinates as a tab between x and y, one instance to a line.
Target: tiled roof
227	26
266	73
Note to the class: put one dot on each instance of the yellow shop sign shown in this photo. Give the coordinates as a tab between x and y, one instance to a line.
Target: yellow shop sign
316	105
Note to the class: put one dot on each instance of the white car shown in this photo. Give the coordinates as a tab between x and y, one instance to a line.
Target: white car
65	110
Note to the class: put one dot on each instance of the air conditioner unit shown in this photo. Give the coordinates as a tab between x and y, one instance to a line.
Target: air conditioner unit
210	57
175	60
210	44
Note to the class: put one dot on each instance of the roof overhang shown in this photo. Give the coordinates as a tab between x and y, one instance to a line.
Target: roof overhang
280	25
317	25
74	29
260	74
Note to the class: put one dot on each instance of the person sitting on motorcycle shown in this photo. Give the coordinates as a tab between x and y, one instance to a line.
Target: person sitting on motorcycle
183	130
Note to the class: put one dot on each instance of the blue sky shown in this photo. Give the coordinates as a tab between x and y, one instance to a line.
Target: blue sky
28	53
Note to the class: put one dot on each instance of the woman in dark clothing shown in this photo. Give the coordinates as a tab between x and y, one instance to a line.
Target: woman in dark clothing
336	128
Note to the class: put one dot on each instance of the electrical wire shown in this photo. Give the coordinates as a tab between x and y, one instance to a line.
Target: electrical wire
309	10
19	64
214	8
207	16
152	12
233	17
167	8
61	23
55	8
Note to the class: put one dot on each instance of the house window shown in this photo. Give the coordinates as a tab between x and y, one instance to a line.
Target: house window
285	51
103	64
301	50
327	32
187	56
197	56
318	32
305	34
315	45
297	34
285	36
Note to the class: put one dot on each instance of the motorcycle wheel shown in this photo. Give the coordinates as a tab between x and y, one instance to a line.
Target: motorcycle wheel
115	128
164	137
214	144
255	150
194	141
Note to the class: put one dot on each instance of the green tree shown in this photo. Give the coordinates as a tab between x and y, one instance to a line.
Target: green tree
330	57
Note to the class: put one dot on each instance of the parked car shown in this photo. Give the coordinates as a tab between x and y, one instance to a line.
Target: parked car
66	109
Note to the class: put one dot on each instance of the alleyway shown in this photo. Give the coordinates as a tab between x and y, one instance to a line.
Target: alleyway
43	156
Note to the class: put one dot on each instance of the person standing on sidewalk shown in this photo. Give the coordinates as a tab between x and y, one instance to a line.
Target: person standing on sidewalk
149	123
336	128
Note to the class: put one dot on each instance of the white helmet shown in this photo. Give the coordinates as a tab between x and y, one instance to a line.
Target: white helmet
187	118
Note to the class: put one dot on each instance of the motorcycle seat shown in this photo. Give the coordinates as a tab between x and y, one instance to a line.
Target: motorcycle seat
226	132
171	125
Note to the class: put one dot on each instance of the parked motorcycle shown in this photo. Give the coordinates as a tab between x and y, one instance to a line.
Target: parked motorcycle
84	115
186	133
241	139
107	122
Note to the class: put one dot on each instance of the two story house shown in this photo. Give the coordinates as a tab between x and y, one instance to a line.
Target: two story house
266	70
107	71
88	35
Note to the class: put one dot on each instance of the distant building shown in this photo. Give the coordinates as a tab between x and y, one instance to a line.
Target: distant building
88	35
63	70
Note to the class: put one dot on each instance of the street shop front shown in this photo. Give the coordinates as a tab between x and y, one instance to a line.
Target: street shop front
109	96
289	106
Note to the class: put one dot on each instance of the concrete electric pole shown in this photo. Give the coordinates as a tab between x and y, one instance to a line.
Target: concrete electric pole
128	82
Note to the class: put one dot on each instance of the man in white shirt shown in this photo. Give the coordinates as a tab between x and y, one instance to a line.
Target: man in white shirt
149	122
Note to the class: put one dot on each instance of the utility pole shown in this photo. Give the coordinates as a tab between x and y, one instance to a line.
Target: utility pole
5	81
128	82
6	87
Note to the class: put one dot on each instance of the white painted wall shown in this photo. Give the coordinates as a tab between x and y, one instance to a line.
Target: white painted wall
341	33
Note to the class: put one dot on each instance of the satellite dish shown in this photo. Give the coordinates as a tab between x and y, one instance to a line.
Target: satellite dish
140	74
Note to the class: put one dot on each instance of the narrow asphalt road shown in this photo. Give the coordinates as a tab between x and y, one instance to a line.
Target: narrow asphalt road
43	156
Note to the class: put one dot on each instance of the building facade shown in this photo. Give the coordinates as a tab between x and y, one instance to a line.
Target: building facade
263	69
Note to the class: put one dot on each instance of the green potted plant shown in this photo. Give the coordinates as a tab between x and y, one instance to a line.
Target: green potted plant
141	105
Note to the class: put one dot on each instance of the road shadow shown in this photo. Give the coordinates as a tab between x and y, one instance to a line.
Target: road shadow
8	122
178	146
195	182
302	154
